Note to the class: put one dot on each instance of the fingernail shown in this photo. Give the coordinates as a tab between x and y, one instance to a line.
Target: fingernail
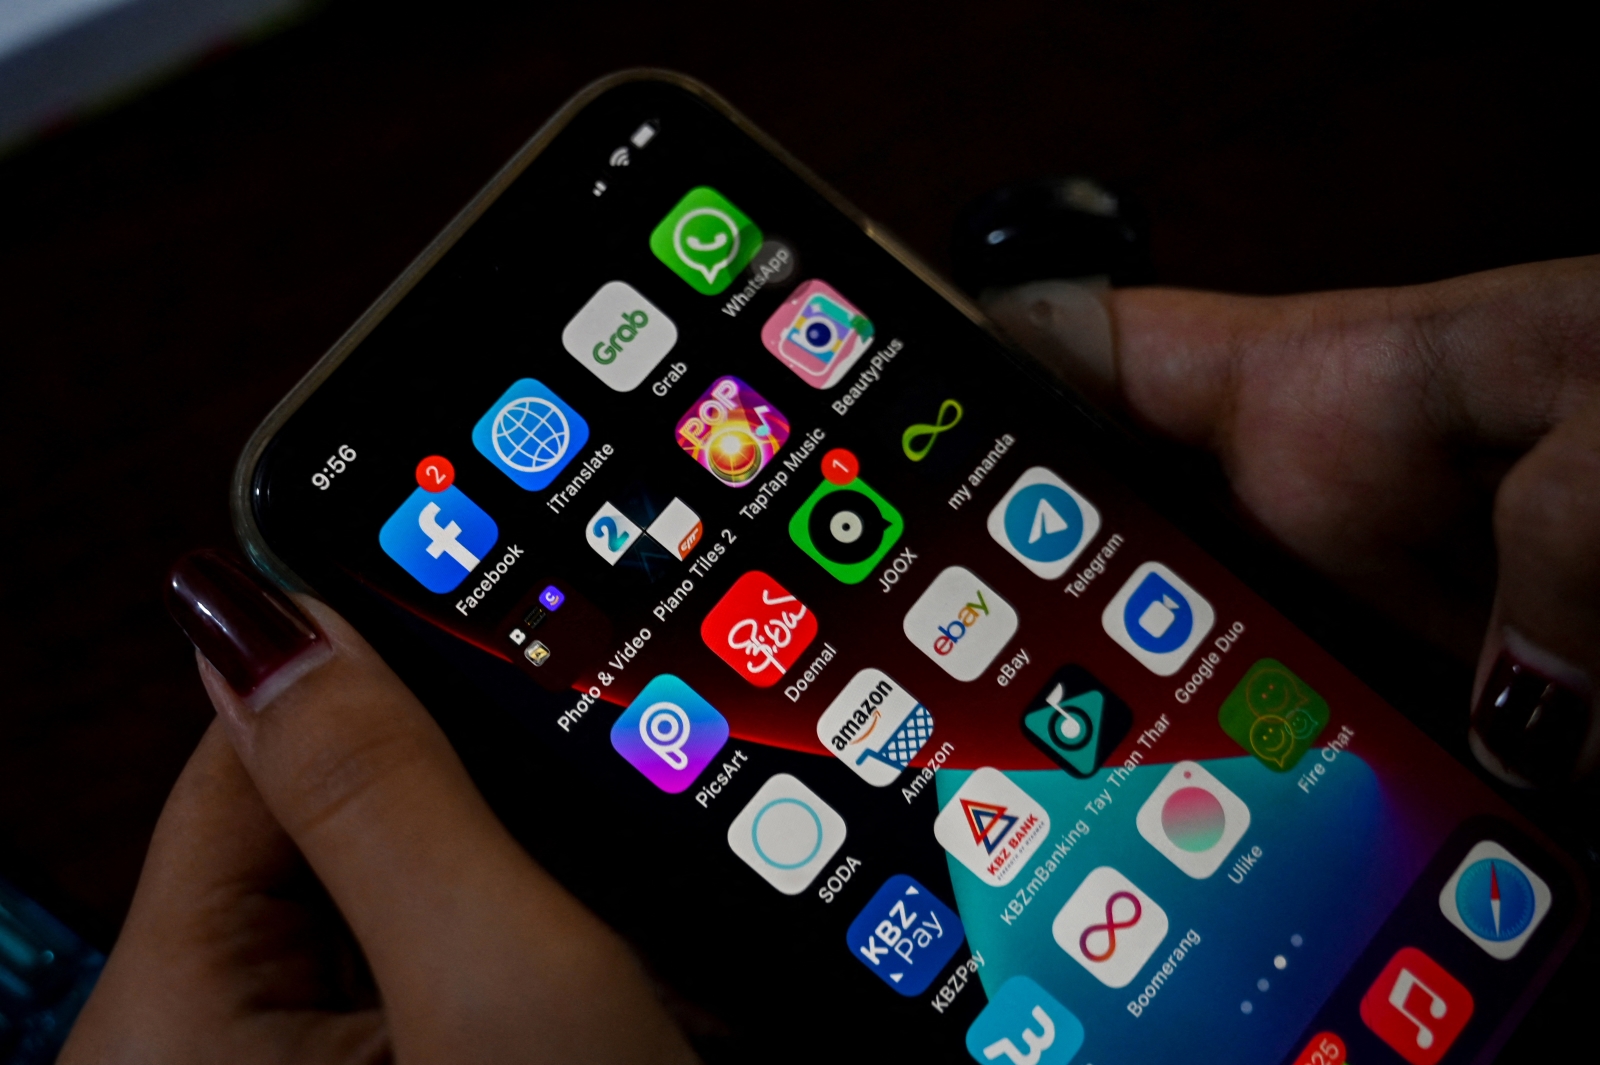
250	633
1531	724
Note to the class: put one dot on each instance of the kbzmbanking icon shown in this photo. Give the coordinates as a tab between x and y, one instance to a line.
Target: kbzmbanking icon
991	826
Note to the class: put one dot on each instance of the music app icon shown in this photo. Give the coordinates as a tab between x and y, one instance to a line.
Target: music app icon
1416	1007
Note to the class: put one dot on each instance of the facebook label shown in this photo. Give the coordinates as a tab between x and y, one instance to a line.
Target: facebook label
438	537
905	935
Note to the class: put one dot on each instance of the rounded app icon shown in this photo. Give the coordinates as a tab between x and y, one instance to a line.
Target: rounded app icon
1193	819
1274	715
960	623
847	528
669	733
1077	721
1110	927
1158	619
732	431
1043	522
1495	899
817	333
759	628
875	727
705	240
1417	1007
905	935
619	335
991	826
787	834
438	537
530	434
1024	1025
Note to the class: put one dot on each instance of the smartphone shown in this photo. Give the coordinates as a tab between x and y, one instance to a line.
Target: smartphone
844	662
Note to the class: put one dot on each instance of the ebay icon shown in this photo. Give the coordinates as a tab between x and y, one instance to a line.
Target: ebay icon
960	623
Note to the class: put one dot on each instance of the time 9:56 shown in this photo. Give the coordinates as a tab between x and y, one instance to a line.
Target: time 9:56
336	464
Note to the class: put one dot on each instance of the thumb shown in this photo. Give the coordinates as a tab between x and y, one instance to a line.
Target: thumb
1535	719
479	954
1066	325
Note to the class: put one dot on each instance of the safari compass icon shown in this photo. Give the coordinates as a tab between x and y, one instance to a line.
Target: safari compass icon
706	240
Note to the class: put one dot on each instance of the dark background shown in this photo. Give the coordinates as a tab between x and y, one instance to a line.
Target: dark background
169	268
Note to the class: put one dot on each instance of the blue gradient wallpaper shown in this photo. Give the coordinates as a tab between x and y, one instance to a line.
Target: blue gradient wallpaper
1324	880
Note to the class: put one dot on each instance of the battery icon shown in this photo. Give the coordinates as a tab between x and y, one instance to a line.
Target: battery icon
643	135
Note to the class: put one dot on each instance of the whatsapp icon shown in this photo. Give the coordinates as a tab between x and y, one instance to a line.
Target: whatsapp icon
706	240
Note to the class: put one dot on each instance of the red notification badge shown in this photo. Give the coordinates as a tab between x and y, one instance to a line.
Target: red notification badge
1325	1048
435	473
840	466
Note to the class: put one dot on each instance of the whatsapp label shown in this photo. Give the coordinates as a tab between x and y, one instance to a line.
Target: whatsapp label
706	240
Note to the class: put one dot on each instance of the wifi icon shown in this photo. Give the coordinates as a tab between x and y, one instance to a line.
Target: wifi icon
620	156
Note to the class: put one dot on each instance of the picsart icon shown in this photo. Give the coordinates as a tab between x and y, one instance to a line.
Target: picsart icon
669	733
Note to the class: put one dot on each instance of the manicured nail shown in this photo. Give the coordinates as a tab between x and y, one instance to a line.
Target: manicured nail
250	633
1533	725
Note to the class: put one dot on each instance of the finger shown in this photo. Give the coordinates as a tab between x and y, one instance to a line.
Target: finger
1365	431
1067	326
1494	353
201	970
478	953
1535	718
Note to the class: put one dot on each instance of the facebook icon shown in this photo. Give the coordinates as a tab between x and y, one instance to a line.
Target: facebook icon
438	537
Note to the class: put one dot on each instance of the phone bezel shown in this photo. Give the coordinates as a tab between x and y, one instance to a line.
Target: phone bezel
1264	567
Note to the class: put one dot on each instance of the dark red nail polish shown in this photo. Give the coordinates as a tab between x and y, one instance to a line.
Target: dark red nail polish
1534	725
246	629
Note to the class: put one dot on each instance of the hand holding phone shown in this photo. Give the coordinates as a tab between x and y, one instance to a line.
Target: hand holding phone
327	884
774	604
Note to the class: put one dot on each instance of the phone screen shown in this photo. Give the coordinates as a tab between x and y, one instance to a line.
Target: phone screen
892	719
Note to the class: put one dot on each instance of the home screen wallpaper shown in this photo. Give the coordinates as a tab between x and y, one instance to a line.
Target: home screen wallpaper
731	509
